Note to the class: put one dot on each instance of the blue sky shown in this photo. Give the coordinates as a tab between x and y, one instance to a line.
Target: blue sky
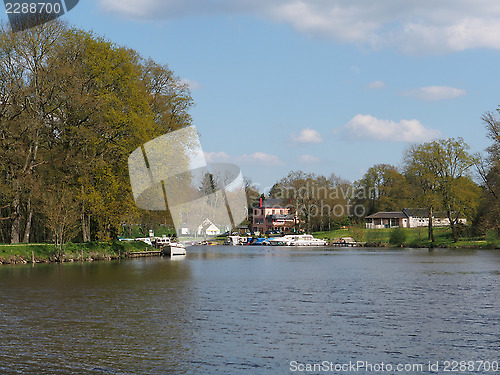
325	86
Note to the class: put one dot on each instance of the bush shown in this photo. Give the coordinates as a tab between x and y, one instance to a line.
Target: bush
492	237
398	237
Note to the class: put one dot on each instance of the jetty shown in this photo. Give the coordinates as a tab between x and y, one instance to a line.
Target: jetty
144	254
345	242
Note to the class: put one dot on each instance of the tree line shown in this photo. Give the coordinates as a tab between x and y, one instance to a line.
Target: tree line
441	175
73	106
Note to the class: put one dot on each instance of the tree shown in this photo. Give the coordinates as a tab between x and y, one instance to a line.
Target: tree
441	170
318	201
27	109
383	188
252	195
72	108
61	212
489	170
420	172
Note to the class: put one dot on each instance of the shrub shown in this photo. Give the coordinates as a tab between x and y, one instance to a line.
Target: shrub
397	237
492	237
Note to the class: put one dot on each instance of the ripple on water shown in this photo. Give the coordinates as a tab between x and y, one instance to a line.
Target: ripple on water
246	311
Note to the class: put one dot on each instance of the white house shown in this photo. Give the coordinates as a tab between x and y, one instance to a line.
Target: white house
208	229
408	218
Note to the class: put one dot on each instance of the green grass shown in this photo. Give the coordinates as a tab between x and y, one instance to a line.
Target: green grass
415	237
22	253
135	231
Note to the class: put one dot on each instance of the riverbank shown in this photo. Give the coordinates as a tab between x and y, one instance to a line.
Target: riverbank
410	237
86	252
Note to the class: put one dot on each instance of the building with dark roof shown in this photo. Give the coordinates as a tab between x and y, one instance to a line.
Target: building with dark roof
392	219
408	218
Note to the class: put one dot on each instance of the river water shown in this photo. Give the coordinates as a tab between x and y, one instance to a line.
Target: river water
255	310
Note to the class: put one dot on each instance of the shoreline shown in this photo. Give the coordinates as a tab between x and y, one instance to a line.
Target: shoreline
103	254
86	252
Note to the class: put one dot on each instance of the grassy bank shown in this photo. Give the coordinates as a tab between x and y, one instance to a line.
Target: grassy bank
412	237
136	231
45	253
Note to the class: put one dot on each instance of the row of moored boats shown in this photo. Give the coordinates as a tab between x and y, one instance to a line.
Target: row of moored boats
287	240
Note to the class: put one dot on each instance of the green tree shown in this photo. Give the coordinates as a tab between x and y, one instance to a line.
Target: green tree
489	170
318	201
27	111
383	188
72	108
441	170
420	172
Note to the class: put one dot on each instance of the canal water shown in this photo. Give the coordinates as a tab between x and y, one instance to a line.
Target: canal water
255	310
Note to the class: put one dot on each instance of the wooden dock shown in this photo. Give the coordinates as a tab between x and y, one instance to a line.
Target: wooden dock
144	254
344	244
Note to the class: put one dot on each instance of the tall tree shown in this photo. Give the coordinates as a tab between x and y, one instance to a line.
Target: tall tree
383	188
72	108
442	171
28	109
316	200
489	170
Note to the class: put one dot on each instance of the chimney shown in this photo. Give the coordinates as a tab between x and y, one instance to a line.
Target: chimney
260	202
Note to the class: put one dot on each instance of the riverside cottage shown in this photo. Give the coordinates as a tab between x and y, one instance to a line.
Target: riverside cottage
408	218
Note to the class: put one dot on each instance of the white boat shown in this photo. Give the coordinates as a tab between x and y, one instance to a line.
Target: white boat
297	240
161	241
174	248
169	246
236	240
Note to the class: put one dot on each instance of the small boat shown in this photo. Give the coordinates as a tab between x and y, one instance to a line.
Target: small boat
172	248
297	240
176	248
236	240
258	242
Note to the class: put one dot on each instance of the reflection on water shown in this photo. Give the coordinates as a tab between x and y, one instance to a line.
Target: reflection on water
95	317
250	310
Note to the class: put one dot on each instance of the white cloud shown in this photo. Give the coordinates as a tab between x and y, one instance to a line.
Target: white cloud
412	26
217	157
307	135
377	85
355	69
261	158
434	93
191	83
143	10
308	159
366	127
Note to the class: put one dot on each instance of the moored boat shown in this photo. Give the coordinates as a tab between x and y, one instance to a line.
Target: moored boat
297	240
176	248
170	247
261	241
236	240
